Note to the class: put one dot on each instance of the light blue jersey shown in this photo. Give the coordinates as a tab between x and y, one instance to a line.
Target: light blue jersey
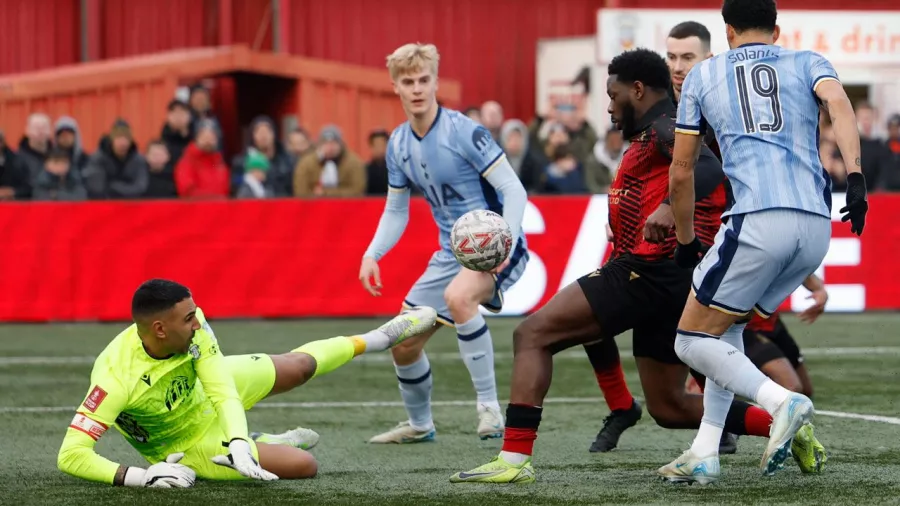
449	165
760	101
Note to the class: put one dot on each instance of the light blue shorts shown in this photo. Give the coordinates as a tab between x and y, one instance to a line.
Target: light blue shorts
758	259
443	267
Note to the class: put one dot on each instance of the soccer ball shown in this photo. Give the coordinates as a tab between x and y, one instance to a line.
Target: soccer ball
481	240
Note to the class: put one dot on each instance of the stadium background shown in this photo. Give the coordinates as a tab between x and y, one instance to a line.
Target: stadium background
311	64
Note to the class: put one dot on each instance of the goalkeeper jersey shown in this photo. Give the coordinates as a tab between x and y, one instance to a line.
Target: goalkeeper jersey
160	406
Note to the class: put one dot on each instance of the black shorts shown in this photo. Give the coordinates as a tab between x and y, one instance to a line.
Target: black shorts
647	297
762	347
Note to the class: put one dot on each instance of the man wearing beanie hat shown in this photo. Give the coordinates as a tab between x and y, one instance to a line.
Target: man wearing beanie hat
117	170
256	169
202	172
331	171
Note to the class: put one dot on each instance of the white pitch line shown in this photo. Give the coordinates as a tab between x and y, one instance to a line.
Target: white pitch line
398	404
453	356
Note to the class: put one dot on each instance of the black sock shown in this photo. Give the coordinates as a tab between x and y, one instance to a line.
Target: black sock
603	355
734	421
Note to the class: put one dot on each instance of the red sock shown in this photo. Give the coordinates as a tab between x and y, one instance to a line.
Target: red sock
522	423
615	390
757	421
519	440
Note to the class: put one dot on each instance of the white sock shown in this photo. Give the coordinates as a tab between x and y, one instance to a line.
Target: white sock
415	388
477	350
516	459
716	402
720	362
771	395
376	340
707	441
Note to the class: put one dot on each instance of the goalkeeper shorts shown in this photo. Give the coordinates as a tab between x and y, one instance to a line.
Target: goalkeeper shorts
254	377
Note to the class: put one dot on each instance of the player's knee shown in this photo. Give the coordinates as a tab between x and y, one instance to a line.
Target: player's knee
683	346
671	415
295	368
307	467
461	303
525	336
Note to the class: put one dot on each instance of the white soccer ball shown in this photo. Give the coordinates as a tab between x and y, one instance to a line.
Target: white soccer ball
481	240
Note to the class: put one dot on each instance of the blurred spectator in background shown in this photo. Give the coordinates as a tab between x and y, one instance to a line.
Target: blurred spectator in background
68	138
33	149
202	172
873	156
492	118
554	135
256	168
162	172
891	175
331	171
59	180
473	113
376	169
565	174
837	170
527	164
117	170
14	180
608	154
263	138
201	107
176	133
298	146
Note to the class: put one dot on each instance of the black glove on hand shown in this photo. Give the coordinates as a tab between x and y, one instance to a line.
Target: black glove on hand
689	255
857	206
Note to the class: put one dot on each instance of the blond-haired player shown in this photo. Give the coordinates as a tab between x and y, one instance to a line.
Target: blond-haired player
459	168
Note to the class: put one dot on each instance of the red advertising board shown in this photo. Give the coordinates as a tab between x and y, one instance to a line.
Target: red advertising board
295	258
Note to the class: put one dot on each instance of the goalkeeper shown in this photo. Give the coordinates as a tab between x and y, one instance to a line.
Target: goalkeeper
165	385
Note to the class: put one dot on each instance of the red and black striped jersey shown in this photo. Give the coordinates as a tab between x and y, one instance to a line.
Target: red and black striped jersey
642	183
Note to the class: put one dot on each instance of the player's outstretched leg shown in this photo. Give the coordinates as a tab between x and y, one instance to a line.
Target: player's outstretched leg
463	296
322	357
566	320
625	411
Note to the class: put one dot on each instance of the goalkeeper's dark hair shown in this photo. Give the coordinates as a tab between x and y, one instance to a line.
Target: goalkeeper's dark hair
155	296
743	15
641	65
689	29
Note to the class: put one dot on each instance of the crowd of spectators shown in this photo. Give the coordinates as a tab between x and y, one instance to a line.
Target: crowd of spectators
558	152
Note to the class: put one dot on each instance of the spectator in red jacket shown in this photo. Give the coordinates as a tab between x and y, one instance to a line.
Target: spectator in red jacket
202	172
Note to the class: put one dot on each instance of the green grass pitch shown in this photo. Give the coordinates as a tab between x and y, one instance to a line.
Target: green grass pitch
854	361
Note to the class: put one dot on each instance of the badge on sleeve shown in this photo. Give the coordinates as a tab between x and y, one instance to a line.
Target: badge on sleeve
94	399
194	350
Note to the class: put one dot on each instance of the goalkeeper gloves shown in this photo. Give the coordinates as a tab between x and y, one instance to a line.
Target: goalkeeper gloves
168	474
857	206
240	458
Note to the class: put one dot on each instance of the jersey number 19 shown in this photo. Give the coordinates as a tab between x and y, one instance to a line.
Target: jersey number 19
763	82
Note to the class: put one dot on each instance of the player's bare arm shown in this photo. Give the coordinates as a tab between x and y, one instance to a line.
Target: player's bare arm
834	99
681	184
819	296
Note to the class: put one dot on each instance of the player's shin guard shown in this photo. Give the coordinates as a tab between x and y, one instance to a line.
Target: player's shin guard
415	388
604	357
720	362
477	350
522	422
329	353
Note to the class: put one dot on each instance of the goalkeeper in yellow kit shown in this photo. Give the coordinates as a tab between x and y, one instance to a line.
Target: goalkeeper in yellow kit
165	385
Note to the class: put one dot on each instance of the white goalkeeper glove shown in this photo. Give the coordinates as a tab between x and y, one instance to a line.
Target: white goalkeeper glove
168	474
241	460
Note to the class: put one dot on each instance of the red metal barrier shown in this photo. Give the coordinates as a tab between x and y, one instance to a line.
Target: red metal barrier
295	258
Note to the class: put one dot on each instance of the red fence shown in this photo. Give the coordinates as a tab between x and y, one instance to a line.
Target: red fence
293	258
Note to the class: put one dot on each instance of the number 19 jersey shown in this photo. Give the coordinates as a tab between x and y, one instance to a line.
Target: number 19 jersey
760	100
